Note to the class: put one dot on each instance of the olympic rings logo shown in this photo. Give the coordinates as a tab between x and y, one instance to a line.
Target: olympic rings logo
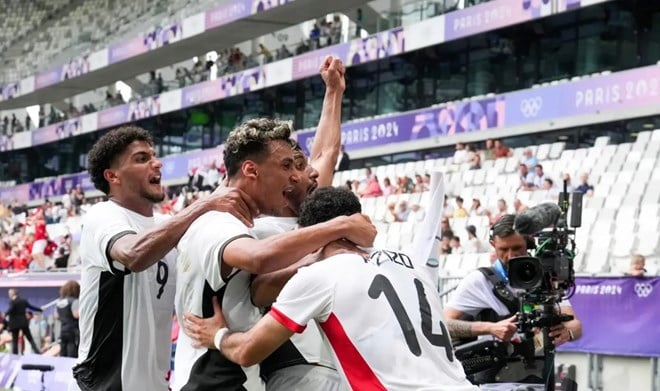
643	289
531	107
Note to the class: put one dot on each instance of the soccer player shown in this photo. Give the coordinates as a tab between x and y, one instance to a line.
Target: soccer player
304	362
380	314
219	262
128	274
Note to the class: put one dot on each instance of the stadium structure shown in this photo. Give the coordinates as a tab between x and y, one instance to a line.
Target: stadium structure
573	85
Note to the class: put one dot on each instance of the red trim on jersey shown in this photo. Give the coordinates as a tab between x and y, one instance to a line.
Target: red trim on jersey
286	321
358	372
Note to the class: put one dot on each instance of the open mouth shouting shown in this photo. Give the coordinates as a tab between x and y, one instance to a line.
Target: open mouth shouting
155	180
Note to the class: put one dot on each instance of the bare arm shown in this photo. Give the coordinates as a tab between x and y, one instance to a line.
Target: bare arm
139	251
266	287
504	329
327	141
567	331
255	345
282	250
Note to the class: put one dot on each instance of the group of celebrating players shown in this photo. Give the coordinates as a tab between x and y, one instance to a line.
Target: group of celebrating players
273	276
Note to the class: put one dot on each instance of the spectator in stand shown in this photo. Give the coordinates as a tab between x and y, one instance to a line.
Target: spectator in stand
359	22
372	188
28	122
403	212
78	199
447	208
539	177
637	264
336	30
67	313
404	185
388	188
526	177
460	154
585	188
355	187
40	239
344	161
445	227
5	125
501	211
14	124
569	187
390	215
460	211
518	206
549	187
529	159
427	180
455	244
315	36
475	161
445	243
268	56
501	150
417	214
283	52
420	185
18	259
476	209
473	245
489	150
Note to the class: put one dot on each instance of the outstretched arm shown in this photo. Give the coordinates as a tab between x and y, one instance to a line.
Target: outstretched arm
327	141
280	251
138	251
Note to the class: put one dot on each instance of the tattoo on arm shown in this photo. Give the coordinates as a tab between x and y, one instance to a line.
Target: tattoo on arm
460	328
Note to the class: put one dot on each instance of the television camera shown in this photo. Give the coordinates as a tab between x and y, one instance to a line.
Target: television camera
543	281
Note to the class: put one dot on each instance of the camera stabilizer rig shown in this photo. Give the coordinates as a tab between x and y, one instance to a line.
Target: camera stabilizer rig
546	279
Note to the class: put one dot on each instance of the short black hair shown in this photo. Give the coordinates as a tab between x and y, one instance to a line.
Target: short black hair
327	203
106	150
503	227
250	140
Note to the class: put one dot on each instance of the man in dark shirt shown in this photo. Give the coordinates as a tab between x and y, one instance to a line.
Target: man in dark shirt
18	322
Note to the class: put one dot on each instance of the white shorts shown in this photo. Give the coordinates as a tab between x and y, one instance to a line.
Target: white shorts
39	246
306	378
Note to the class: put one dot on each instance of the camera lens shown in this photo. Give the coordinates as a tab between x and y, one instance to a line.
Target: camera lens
527	273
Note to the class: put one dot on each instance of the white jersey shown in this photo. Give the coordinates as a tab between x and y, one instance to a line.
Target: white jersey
308	347
125	317
383	319
200	250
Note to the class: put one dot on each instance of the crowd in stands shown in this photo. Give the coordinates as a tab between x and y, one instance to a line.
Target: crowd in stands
25	243
532	178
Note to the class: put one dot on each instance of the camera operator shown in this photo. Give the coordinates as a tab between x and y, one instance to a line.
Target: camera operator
491	313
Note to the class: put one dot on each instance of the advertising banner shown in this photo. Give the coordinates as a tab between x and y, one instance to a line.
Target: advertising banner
620	316
455	118
58	131
227	13
617	91
493	15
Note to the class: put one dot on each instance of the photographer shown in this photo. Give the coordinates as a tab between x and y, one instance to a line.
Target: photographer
475	297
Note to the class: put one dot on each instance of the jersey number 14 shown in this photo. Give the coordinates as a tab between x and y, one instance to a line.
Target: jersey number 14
381	284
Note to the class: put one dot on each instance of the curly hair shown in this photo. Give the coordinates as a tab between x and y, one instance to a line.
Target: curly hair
108	148
327	203
70	289
250	140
